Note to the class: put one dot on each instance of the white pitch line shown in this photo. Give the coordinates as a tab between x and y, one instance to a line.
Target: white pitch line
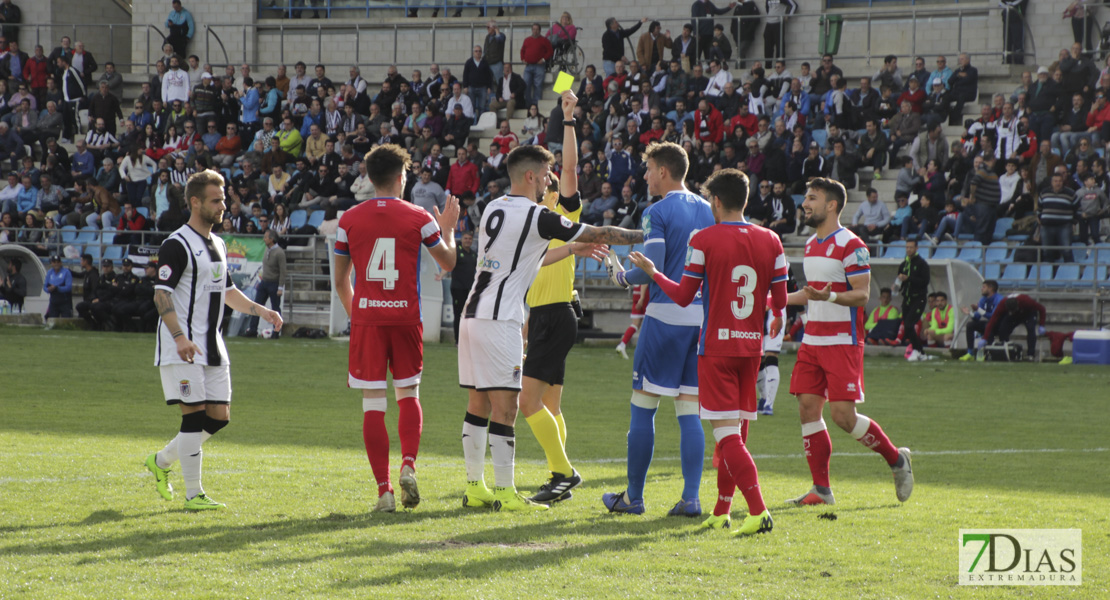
596	461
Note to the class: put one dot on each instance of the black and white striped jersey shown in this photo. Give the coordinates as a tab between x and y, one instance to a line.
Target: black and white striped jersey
193	269
512	241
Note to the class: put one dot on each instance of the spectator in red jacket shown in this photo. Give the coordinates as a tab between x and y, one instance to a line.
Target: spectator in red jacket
463	177
654	134
535	52
35	72
747	120
914	95
1098	118
228	147
1016	309
709	125
131	222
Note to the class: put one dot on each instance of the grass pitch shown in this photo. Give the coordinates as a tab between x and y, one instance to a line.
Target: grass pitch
995	446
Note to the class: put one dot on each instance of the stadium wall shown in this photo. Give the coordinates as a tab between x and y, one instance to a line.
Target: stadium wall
84	20
981	32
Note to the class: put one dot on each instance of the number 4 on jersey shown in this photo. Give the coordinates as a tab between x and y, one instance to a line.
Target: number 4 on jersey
382	265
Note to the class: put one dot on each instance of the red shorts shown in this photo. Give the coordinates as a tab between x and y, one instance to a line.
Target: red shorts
726	387
835	372
638	312
374	348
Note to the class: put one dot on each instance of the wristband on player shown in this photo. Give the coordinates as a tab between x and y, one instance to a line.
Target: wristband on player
570	122
832	297
621	279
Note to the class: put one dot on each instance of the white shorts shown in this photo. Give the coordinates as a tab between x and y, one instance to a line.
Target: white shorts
196	384
774	344
491	354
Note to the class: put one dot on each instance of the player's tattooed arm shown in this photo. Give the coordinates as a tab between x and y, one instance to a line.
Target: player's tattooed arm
615	236
163	301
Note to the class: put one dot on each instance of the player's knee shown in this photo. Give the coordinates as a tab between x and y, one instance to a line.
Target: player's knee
378	404
845	420
212	426
644	401
193	422
685	408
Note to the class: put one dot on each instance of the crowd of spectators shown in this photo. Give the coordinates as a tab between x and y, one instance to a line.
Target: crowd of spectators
289	141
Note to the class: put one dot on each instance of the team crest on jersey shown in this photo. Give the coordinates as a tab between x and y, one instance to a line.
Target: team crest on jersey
217	272
165	272
516	374
566	222
830	250
863	257
645	224
186	390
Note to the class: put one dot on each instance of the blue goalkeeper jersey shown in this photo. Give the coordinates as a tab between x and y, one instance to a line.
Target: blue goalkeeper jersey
668	226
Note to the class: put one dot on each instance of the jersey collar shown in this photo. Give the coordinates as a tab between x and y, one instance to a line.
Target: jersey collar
831	235
737	223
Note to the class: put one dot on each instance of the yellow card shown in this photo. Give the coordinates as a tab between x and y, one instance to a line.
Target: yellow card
563	82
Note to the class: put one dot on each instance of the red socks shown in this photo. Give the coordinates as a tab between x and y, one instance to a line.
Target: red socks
868	433
376	438
410	423
725	487
628	333
818	448
741	473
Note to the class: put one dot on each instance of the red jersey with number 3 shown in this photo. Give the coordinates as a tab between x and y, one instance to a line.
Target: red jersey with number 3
383	236
738	262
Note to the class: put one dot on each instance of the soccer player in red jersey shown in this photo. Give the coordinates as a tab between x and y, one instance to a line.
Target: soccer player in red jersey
381	240
830	361
734	263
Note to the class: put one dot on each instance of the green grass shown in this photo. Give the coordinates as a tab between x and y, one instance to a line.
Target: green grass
79	516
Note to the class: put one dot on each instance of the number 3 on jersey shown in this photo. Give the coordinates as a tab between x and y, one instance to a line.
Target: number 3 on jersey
743	308
382	265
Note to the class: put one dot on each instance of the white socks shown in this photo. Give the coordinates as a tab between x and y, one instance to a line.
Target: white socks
770	385
474	440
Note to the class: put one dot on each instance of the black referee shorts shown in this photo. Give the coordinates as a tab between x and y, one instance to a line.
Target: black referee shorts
552	331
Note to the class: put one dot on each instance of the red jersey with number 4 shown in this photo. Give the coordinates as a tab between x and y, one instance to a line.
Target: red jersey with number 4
383	236
830	262
738	263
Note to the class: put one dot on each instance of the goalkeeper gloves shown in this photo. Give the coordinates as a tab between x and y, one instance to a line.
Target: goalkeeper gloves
615	270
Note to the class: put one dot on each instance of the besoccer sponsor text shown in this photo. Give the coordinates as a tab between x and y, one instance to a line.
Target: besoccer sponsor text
724	334
369	303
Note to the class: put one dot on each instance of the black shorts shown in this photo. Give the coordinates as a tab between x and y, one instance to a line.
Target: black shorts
552	331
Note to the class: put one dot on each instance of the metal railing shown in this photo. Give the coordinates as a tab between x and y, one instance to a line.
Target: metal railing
274	9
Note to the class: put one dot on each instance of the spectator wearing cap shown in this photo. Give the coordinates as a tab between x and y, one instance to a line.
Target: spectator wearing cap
59	285
99	312
124	301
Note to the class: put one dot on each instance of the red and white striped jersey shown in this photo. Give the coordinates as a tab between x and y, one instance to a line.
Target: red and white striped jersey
831	261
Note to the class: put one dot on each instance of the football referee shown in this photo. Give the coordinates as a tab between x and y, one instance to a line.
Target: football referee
552	331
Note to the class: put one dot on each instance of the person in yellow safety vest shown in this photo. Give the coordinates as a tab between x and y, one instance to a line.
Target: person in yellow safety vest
942	322
884	321
884	311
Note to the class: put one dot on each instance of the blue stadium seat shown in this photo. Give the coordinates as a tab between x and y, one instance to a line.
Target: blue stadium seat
925	249
945	250
316	218
821	137
113	252
107	237
1066	276
1079	253
298	218
69	233
895	250
971	252
1001	226
1038	276
1014	276
144	211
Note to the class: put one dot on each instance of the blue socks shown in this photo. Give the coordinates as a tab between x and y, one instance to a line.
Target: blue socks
692	451
641	447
